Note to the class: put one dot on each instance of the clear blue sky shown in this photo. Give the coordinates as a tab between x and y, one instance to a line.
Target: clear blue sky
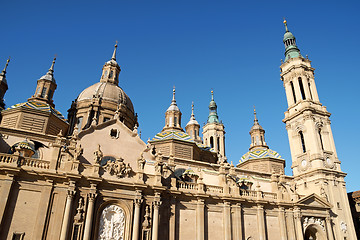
232	47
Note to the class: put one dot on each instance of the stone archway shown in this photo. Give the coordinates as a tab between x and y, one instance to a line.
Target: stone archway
314	232
112	223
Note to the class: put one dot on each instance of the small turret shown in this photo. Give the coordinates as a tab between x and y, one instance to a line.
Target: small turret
291	50
46	87
257	134
173	116
193	127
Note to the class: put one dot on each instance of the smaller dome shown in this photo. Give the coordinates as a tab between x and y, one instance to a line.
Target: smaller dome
173	107
112	62
288	35
107	91
48	77
258	153
192	122
25	144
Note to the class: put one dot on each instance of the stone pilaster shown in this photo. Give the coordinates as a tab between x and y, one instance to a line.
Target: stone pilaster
329	231
67	214
283	235
261	222
200	226
298	225
90	212
42	212
238	221
5	191
172	224
227	221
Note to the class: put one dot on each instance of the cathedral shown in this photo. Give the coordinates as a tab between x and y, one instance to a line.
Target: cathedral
90	176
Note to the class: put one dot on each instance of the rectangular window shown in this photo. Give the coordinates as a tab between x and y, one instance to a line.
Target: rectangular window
43	92
76	232
79	122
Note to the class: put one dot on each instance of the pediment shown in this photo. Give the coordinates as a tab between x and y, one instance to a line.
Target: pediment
313	200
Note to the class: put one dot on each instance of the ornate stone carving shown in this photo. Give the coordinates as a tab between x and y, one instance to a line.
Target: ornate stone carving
343	226
98	155
118	168
146	223
78	151
80	211
312	220
323	193
112	223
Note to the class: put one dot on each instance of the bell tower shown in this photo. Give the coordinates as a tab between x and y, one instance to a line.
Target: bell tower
213	131
315	164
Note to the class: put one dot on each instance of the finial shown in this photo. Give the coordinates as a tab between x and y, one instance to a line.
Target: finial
285	23
212	95
192	108
255	118
114	54
52	65
7	63
173	100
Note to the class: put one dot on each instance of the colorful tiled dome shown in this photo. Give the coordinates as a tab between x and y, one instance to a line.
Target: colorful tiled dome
179	136
39	106
260	153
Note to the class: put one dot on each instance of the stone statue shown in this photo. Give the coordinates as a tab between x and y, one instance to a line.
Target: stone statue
78	152
98	155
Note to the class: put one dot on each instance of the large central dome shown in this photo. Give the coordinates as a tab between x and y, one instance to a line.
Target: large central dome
103	101
106	91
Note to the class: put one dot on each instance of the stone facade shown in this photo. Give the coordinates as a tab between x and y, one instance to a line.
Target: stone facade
92	177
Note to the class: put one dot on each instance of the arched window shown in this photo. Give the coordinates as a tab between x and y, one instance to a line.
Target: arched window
302	89
302	141
175	122
293	91
311	97
321	141
218	143
195	133
211	142
112	223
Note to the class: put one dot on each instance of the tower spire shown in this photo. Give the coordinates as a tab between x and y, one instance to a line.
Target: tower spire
213	117
114	53
291	50
255	118
7	63
286	27
51	69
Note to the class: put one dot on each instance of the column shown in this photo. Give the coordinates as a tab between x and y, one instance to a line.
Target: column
298	225
227	221
89	214
5	190
42	212
172	223
291	225
330	234
136	224
67	214
239	224
282	223
200	227
261	222
155	223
